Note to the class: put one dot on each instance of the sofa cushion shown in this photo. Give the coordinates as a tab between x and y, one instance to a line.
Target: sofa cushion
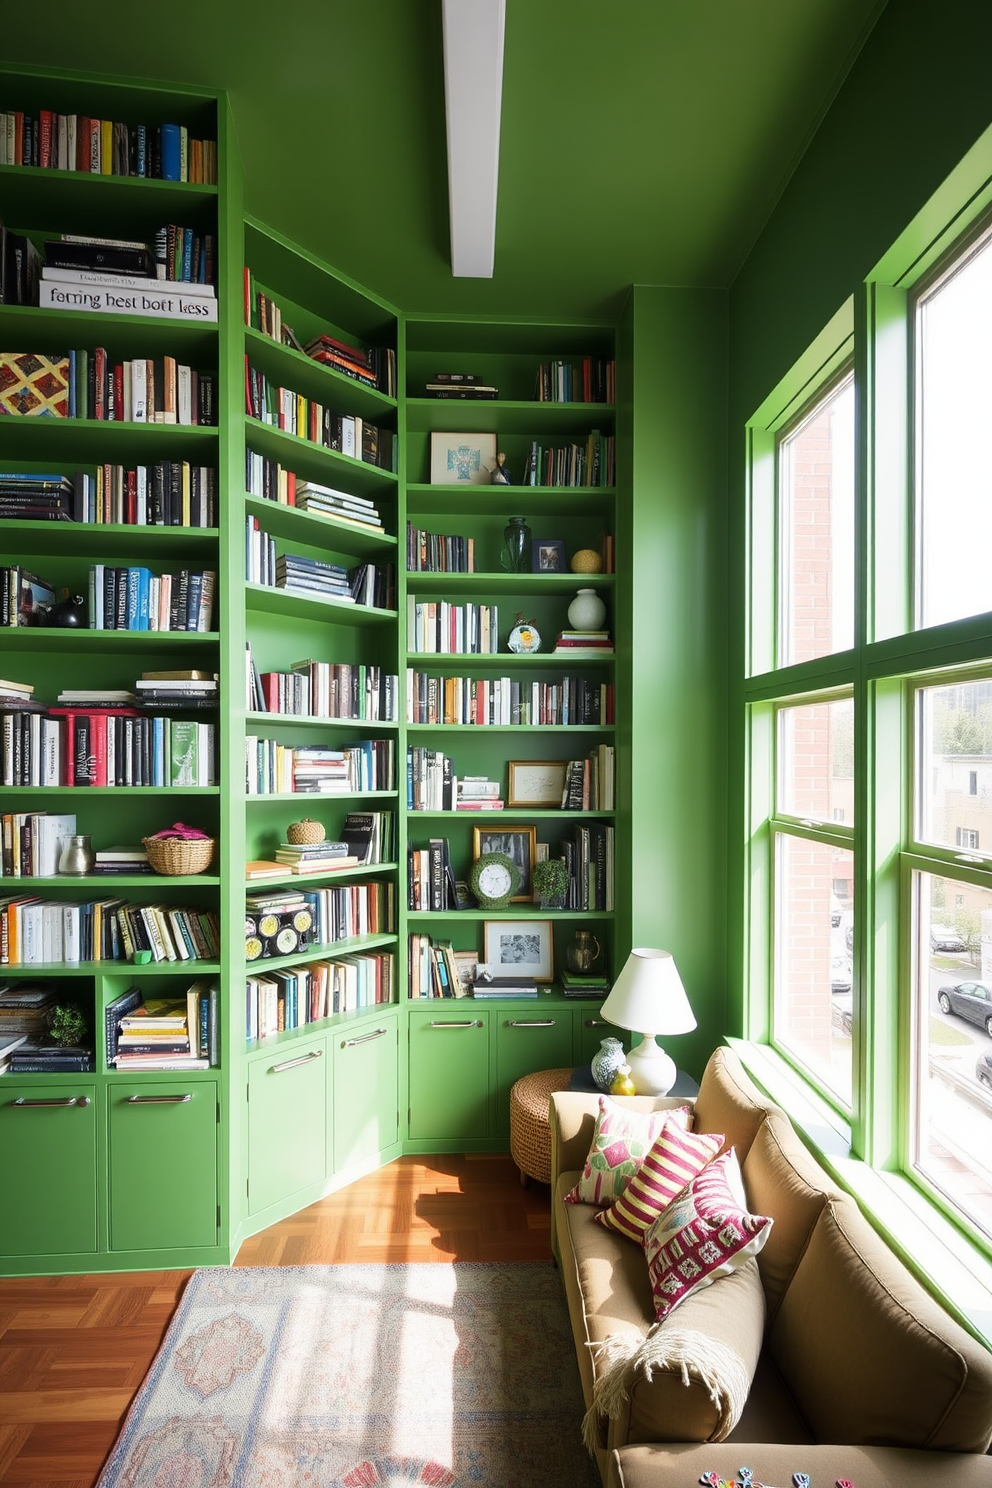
781	1178
674	1159
704	1233
868	1467
871	1357
620	1141
729	1102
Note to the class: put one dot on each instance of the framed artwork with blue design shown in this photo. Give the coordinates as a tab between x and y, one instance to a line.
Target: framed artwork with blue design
462	459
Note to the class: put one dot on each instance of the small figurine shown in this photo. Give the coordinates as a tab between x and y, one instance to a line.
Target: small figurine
501	474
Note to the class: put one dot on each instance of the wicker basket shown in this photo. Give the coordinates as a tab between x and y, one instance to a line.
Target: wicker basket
178	855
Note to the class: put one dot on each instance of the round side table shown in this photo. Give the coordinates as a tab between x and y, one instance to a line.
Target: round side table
530	1127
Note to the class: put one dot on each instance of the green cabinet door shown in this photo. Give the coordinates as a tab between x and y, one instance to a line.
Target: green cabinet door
449	1076
287	1123
366	1092
526	1042
163	1165
48	1170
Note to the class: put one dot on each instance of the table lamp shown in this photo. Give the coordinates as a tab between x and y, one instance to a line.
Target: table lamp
648	998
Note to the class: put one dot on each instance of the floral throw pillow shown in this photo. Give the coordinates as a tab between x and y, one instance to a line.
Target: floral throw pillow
674	1159
621	1140
704	1233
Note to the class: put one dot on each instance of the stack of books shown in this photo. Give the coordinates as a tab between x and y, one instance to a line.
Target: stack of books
584	643
318	857
24	1011
313	577
186	689
129	858
36	498
590	985
478	793
120	276
504	986
16	696
325	501
460	385
50	1059
163	1033
353	361
8	1043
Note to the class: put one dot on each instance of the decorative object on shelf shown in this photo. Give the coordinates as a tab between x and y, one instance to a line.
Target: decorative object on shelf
648	998
587	611
142	958
547	555
307	832
606	1062
622	1084
524	947
586	560
495	878
77	856
582	952
67	1025
515	556
462	459
179	850
519	844
501	472
69	613
525	638
536	783
551	883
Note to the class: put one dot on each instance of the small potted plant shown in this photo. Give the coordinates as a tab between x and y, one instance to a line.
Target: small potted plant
550	880
66	1025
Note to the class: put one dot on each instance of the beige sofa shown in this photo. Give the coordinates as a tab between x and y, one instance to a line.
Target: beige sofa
850	1368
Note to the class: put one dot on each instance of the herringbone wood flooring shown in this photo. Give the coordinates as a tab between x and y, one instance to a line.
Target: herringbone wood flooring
74	1349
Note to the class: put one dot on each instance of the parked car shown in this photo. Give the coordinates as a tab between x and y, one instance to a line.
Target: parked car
971	1000
943	938
840	974
983	1069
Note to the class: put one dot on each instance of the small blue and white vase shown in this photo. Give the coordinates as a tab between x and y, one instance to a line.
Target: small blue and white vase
607	1061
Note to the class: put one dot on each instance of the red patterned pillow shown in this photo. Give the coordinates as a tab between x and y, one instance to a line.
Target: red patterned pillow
621	1140
673	1161
704	1233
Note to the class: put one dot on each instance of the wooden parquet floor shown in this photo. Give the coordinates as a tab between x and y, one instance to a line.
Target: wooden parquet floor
74	1349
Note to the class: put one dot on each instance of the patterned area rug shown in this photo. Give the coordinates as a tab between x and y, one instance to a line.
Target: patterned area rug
448	1375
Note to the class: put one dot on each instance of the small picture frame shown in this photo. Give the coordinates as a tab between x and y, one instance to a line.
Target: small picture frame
462	459
547	555
518	843
525	947
536	783
466	963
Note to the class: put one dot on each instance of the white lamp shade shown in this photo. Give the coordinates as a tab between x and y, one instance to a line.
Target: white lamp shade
648	996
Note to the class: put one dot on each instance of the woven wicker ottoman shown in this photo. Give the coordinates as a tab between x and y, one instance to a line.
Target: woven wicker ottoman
530	1127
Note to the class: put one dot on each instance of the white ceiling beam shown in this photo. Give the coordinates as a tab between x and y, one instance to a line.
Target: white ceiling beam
473	94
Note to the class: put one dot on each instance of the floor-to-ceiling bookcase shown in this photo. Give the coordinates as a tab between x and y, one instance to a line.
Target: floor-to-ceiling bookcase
105	1172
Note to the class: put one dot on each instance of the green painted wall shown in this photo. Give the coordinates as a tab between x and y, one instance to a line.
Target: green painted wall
675	345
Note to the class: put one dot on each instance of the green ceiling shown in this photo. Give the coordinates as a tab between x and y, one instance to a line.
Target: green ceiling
643	141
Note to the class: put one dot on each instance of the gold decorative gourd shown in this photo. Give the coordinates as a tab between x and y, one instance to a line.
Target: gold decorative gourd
586	560
305	833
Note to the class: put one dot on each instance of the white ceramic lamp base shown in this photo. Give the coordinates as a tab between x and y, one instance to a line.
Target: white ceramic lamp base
651	1069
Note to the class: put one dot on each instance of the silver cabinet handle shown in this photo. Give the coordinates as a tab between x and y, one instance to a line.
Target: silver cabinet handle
364	1038
530	1023
473	1023
158	1100
277	1069
66	1100
599	1023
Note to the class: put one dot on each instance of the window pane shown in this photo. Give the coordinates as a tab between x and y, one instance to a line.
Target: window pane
816	761
953	455
816	484
952	1087
813	1010
954	771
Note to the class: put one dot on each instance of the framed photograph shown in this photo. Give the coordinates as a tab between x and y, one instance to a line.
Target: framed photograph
547	555
522	946
537	783
518	843
462	459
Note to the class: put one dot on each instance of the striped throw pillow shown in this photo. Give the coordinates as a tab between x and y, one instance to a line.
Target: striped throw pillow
673	1161
621	1140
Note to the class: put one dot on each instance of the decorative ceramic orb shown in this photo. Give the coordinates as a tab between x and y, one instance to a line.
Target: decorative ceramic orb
305	832
587	611
586	561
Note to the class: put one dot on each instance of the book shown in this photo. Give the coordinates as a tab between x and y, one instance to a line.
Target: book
33	385
106	280
163	300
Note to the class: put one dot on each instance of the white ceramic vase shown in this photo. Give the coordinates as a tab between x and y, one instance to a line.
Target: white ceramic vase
587	611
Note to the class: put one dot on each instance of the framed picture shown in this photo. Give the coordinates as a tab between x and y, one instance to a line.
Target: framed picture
538	783
462	459
522	946
466	963
547	555
518	843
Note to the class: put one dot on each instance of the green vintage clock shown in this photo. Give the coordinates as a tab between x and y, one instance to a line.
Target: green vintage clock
494	879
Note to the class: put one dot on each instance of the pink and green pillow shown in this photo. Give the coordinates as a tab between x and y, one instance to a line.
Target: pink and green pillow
674	1159
621	1140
